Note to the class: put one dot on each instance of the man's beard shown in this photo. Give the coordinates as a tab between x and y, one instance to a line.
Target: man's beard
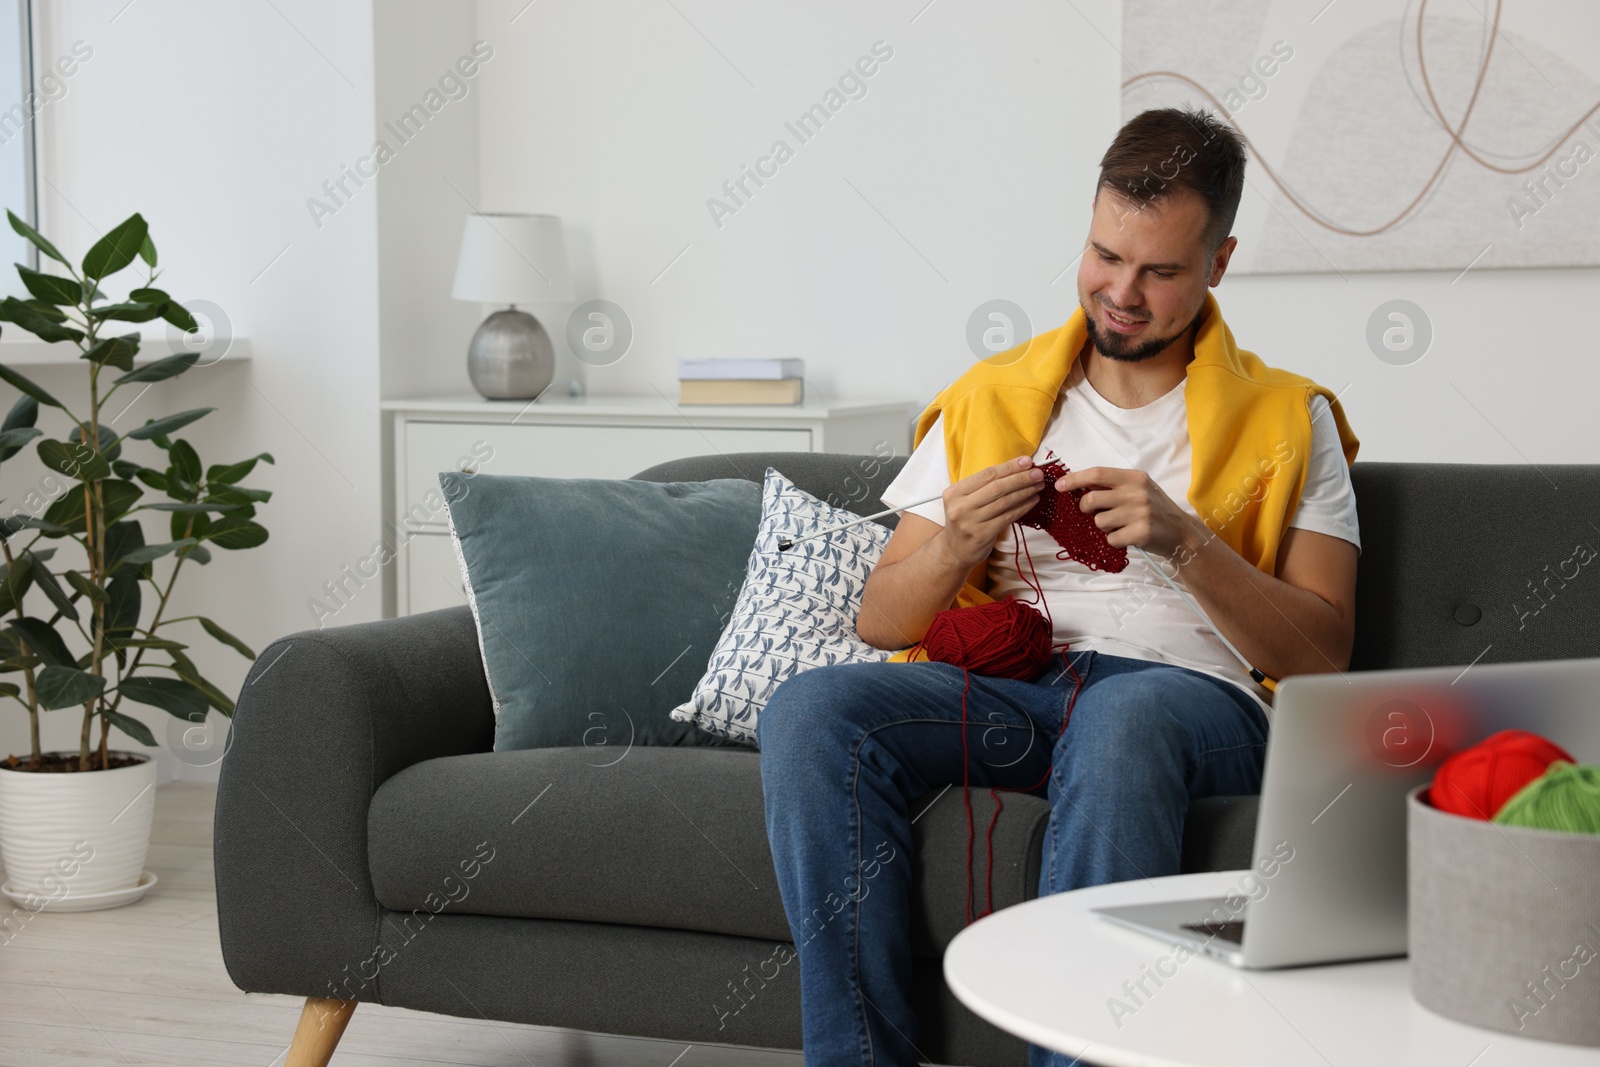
1116	346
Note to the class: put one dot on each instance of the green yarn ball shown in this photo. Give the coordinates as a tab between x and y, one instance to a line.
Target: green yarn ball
1566	797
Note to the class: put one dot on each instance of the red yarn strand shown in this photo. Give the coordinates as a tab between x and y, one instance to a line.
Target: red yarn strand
1003	638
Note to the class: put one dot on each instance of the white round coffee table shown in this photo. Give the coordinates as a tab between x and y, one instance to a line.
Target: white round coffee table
1053	973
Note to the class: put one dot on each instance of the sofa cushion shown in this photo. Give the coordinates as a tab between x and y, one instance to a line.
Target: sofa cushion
796	609
661	837
676	838
597	601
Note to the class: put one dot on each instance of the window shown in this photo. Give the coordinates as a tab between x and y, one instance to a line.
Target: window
20	102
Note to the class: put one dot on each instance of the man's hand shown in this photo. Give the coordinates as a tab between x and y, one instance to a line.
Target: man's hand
979	508
1133	510
924	564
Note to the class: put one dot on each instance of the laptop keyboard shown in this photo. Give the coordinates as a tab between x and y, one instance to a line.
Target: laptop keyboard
1232	930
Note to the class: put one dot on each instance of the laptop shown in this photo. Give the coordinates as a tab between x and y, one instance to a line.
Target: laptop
1328	878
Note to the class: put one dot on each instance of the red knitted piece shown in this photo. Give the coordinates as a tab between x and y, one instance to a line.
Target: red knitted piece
1061	516
1476	782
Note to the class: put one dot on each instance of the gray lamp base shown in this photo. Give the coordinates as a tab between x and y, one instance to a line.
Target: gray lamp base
511	357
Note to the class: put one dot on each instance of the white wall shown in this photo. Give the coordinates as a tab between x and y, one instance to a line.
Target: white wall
972	157
425	192
218	122
960	176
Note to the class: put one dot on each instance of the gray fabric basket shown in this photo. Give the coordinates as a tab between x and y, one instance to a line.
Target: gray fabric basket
1503	930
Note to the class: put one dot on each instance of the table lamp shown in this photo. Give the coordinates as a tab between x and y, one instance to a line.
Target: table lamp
511	259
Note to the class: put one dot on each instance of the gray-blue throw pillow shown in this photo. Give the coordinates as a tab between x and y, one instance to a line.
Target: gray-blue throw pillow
598	601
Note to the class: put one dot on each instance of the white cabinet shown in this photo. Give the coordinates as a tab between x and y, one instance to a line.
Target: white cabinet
585	437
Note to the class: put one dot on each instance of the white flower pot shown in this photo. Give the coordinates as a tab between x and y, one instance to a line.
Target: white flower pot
83	834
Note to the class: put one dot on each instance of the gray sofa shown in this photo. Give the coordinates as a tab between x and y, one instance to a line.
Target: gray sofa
359	797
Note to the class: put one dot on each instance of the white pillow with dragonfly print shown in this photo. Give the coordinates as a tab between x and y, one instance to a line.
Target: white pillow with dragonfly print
796	610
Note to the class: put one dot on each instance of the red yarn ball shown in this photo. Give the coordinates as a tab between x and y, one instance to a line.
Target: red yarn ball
1002	639
1476	782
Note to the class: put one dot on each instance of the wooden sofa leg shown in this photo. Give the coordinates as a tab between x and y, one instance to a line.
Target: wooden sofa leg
322	1023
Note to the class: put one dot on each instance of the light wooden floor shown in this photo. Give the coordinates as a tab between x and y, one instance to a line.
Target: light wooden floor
144	984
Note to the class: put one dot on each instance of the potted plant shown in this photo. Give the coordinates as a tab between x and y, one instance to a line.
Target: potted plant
90	629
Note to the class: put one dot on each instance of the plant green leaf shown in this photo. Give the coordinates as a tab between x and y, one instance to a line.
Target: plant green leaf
148	295
11	441
179	316
200	554
51	288
199	508
110	446
116	249
147	250
233	472
161	369
74	459
36	322
228	533
115	352
43	641
153	478
121	538
50	587
12	523
185	461
177	487
150	553
184	665
10	689
38	239
240	494
153	642
174	695
189	524
185	669
17	381
123	601
63	687
65	515
19	577
119	497
226	638
130	726
25	412
172	422
85	585
49	311
131	311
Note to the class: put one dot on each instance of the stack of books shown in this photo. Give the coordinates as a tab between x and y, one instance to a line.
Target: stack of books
741	381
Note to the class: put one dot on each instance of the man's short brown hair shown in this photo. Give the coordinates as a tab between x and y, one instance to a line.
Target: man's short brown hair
1159	151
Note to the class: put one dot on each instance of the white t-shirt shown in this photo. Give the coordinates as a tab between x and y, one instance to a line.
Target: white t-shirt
1132	613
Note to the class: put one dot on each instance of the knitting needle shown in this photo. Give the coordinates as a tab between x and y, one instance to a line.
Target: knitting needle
788	543
1258	675
784	544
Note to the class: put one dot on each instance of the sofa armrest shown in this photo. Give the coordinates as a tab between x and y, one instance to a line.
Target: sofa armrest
323	719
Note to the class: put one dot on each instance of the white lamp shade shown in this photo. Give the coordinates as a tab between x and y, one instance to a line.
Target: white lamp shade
512	259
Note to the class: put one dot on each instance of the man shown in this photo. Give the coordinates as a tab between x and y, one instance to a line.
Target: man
1231	474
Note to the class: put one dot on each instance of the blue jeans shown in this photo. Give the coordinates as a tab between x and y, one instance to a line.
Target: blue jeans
846	749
